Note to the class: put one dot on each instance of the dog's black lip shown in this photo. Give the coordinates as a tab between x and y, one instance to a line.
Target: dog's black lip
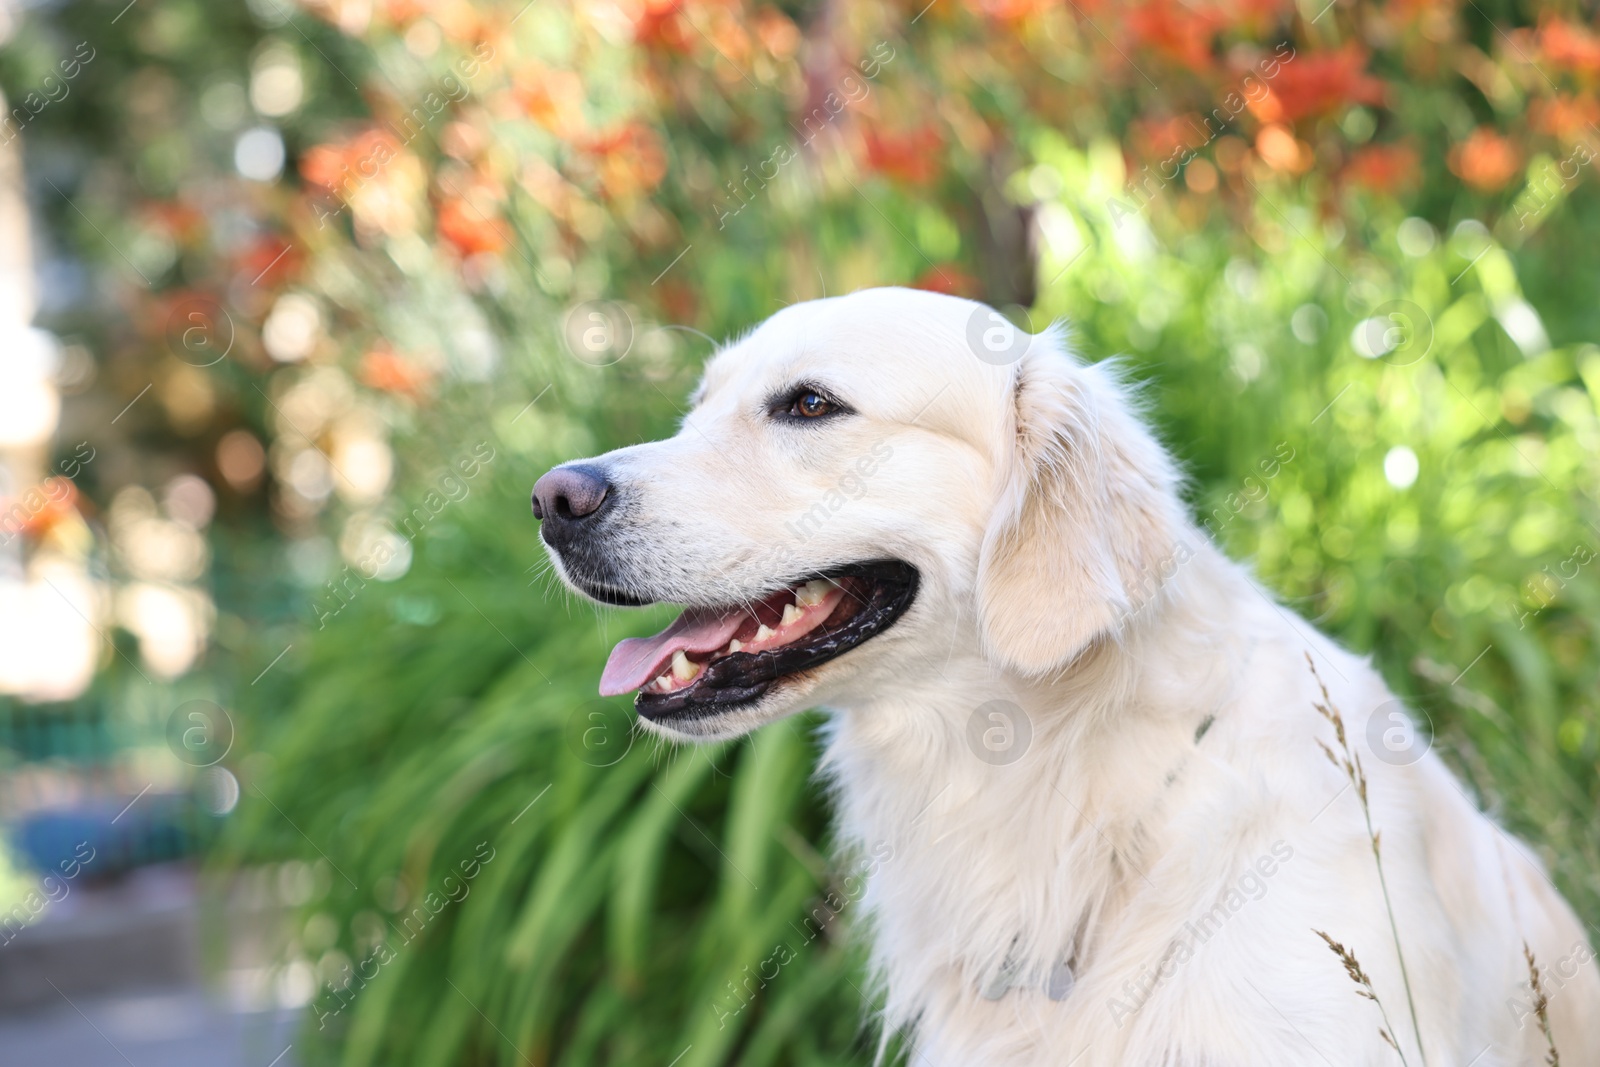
607	595
735	681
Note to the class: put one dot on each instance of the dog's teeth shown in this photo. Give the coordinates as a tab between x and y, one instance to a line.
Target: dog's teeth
683	668
813	592
734	645
763	632
790	614
663	683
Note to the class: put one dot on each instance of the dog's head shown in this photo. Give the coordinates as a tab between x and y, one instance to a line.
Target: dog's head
858	479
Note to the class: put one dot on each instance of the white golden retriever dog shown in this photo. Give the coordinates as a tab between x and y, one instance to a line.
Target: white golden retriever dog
1085	739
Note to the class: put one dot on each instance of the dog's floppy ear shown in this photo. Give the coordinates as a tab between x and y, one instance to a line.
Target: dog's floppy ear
1088	520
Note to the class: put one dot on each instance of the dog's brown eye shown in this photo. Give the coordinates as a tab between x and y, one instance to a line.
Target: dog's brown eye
810	406
804	402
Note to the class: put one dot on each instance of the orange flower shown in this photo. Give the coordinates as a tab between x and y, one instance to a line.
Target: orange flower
353	162
1565	117
459	21
1570	45
1383	168
322	165
778	34
468	228
383	369
1412	11
659	25
1177	31
680	300
949	279
1010	10
268	261
370	145
182	221
552	98
1486	160
730	41
1279	149
44	506
631	160
1161	138
401	12
1315	84
909	157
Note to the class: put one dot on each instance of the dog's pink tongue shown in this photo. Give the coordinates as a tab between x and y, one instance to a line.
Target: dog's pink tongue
637	660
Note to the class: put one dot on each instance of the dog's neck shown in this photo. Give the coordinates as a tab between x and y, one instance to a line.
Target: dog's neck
1048	794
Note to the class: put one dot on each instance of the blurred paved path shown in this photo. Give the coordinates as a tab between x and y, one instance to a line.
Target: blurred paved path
182	1028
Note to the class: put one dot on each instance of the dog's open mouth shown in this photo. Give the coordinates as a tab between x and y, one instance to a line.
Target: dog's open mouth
710	659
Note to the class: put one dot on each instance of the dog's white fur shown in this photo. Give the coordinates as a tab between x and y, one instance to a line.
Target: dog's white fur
1062	574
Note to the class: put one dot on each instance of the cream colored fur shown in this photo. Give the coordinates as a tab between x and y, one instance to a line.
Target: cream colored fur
1061	574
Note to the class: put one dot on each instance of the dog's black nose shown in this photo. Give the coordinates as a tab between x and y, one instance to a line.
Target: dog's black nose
568	494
